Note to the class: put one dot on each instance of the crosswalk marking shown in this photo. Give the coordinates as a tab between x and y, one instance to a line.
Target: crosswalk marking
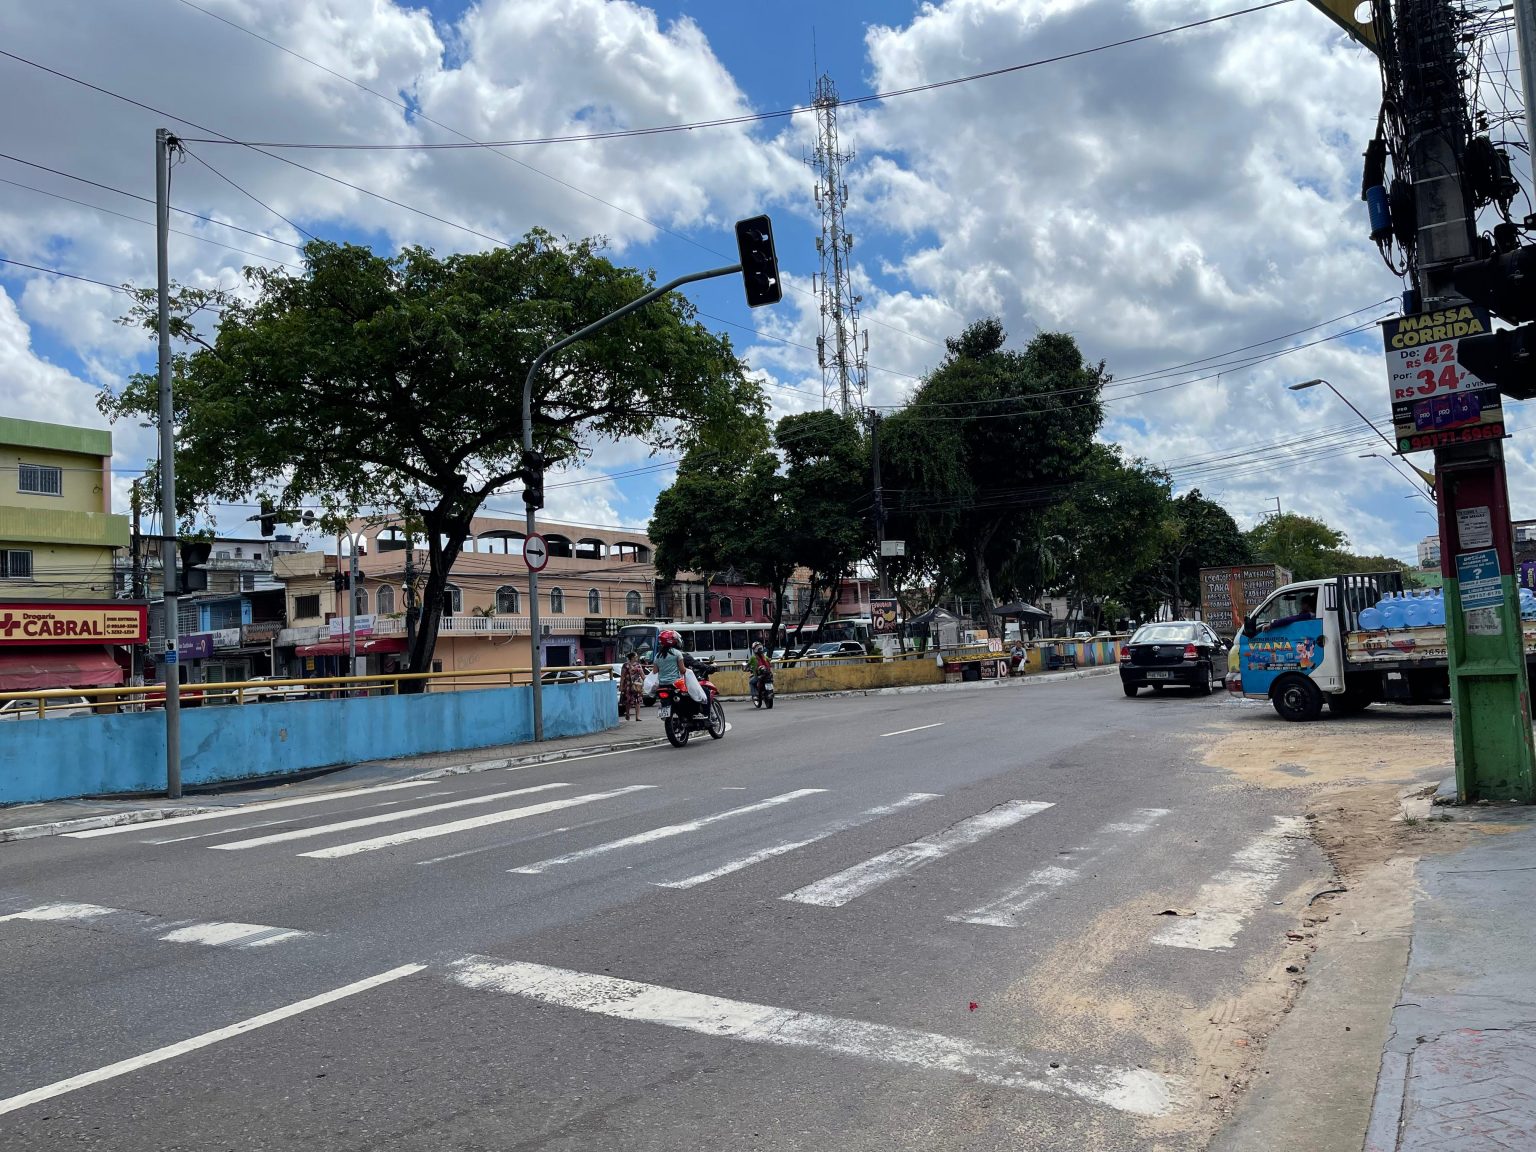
233	935
790	845
378	818
246	809
413	834
60	911
1008	909
212	933
838	889
663	833
1140	1092
1225	902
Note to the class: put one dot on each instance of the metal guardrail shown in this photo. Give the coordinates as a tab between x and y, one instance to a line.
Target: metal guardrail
143	697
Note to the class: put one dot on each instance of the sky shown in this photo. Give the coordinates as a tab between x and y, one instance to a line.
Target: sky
1187	206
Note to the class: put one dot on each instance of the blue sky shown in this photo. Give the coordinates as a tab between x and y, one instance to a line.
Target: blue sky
1168	203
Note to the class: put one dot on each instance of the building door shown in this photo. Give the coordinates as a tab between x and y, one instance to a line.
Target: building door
557	656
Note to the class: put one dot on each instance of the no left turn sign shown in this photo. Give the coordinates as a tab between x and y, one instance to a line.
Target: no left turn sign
536	553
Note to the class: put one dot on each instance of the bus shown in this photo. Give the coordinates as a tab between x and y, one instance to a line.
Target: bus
718	642
859	628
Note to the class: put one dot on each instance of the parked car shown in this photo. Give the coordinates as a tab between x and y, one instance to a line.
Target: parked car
835	648
263	689
1181	652
59	708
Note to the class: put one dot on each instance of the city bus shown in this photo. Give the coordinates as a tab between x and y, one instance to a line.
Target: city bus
719	642
859	628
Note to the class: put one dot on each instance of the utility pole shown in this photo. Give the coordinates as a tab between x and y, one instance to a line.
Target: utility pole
1490	698
410	591
874	451
136	571
171	668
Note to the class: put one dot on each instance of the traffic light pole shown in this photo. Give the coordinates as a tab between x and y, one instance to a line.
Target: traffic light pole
535	661
169	665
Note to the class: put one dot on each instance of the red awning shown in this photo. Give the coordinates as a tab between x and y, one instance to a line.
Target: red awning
326	648
58	668
365	646
384	645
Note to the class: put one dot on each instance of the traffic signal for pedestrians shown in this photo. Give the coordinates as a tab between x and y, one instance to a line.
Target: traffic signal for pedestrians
759	263
194	554
268	517
533	479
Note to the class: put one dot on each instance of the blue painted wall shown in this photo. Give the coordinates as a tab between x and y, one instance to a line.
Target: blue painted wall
91	755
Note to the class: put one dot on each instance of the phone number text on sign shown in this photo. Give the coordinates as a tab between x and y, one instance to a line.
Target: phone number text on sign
1435	401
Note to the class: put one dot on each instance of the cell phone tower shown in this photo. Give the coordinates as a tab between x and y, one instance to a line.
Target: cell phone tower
841	349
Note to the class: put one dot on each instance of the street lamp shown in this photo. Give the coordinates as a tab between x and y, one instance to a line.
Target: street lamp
1305	384
1428	478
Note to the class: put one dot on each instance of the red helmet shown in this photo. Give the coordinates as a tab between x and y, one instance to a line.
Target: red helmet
669	639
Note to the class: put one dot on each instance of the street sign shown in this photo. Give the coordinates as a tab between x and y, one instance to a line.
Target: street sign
1481	582
893	547
535	552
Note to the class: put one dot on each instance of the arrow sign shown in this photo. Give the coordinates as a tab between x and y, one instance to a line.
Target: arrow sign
535	552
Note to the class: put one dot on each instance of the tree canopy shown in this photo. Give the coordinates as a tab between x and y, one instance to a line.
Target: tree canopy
369	382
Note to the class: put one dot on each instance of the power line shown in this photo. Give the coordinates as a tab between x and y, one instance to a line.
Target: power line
756	117
66	275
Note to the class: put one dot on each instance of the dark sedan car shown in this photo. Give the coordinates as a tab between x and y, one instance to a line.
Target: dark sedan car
1182	652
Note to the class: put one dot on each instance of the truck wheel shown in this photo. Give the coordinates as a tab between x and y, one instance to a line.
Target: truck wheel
1296	698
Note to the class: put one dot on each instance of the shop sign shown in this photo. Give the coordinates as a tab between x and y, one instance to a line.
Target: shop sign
1435	401
361	626
73	623
884	617
196	646
226	638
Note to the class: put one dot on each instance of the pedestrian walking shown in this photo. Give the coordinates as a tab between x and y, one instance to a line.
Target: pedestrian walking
631	687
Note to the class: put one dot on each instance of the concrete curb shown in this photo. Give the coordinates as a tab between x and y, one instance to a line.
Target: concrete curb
538	758
110	820
1012	682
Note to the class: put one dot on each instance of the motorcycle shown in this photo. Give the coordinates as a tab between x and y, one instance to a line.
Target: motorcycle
762	695
682	715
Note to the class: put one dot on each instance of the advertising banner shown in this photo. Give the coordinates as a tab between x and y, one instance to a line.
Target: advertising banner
883	615
73	623
1435	401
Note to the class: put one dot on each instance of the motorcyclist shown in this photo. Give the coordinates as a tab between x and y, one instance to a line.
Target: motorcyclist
670	657
760	669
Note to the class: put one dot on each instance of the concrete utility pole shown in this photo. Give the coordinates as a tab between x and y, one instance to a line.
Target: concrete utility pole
170	667
1490	697
874	453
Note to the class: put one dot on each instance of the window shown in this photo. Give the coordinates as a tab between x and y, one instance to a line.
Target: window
594	602
725	607
722	639
360	601
1301	602
702	640
508	602
767	608
632	604
222	554
305	607
41	480
739	640
453	599
15	564
386	600
556	602
240	552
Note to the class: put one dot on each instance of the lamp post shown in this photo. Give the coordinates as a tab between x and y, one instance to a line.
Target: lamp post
1305	384
1429	480
352	539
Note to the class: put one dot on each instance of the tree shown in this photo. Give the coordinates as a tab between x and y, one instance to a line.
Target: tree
1306	546
990	435
1200	534
368	381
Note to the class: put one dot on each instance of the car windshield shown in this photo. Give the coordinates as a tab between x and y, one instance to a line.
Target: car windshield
1165	634
829	647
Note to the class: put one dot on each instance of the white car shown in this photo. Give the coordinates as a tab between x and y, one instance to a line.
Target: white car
58	708
261	690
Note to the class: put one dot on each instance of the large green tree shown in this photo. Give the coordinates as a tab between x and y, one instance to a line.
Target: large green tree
1198	533
990	435
1304	545
370	381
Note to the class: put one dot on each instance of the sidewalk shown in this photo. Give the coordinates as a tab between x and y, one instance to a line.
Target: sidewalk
1459	1070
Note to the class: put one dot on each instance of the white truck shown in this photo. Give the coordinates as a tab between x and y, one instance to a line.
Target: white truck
1303	647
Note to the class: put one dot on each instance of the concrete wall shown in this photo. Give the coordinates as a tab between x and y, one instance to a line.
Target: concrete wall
91	755
815	677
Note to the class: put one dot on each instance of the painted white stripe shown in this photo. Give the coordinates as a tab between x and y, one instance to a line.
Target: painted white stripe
919	728
60	912
232	935
223	831
379	818
247	809
413	834
1225	902
1008	909
790	845
663	833
1137	1091
171	1051
841	887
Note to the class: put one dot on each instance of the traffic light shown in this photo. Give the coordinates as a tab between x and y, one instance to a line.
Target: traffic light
268	517
194	554
533	479
1505	284
759	263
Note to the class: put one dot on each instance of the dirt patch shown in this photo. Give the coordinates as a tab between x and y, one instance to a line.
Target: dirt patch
1359	827
1379	747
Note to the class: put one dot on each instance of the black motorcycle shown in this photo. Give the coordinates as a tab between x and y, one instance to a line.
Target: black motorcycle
682	715
762	693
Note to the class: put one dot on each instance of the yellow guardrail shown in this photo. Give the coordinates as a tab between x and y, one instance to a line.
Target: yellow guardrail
139	697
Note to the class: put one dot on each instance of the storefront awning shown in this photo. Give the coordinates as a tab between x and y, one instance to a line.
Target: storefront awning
325	648
384	645
58	668
366	646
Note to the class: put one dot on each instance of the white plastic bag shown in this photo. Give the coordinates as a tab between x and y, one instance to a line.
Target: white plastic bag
650	685
695	689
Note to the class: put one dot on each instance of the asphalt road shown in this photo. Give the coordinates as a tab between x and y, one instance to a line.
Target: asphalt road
894	922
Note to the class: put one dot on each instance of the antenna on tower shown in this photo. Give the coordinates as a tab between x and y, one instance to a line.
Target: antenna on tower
844	366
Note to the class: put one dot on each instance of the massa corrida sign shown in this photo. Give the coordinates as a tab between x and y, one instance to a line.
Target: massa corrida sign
1435	401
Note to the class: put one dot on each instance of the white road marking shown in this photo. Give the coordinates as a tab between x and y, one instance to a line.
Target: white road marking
216	934
224	831
413	834
247	809
181	1048
836	890
663	833
790	845
46	912
1226	901
1137	1091
919	728
1008	909
380	818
